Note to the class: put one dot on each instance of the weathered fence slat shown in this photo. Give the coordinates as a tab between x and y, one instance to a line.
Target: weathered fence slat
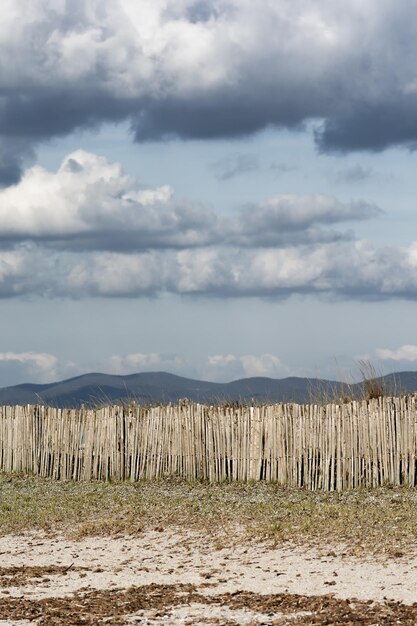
332	447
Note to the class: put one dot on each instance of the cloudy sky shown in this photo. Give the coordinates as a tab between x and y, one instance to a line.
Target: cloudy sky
215	188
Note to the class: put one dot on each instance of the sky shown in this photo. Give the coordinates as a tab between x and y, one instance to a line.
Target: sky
213	188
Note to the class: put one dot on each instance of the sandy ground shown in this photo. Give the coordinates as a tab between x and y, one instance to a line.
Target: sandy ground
164	577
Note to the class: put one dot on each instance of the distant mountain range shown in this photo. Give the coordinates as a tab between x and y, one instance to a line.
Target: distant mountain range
161	387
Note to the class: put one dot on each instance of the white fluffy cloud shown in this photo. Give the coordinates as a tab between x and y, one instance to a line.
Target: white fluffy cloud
89	229
25	269
145	362
28	367
354	270
117	275
218	367
38	367
229	366
404	353
90	204
351	269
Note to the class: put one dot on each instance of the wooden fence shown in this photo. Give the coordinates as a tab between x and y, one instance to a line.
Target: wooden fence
331	447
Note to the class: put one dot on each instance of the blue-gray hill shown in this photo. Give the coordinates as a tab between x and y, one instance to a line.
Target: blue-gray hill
160	387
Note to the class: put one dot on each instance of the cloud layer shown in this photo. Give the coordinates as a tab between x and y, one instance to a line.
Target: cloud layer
218	367
404	353
39	367
90	204
36	367
90	230
206	69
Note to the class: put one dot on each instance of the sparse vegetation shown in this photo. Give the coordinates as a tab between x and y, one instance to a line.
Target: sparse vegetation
372	385
372	381
380	521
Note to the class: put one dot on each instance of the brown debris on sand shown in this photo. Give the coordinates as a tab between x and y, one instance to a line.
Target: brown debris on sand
117	606
18	576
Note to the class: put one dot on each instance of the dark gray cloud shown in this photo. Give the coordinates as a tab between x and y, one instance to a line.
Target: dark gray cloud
209	69
10	171
371	126
14	156
217	115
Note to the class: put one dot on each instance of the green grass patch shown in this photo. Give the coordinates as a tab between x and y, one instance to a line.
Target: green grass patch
382	520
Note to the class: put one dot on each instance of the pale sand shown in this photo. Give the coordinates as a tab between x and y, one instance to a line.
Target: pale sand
170	558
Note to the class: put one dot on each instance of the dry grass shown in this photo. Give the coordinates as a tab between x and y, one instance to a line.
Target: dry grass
382	520
372	385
